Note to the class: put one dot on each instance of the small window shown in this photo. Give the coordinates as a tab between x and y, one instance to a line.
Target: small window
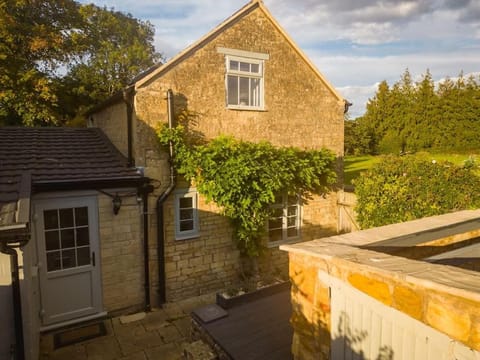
244	83
186	214
244	78
284	223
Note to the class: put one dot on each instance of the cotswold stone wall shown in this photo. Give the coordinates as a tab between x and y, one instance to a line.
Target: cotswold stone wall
300	110
203	264
121	248
429	293
113	122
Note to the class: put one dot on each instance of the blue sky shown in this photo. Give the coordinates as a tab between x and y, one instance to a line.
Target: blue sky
354	43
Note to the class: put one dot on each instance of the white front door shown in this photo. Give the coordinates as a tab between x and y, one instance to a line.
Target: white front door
68	257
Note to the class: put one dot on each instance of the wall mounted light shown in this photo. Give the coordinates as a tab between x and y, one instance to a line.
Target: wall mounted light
117	203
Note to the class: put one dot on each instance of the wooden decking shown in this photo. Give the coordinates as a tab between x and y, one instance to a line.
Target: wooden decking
255	330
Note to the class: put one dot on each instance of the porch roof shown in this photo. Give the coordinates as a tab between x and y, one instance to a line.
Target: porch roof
48	159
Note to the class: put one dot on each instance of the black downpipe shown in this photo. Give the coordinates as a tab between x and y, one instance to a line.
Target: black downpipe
17	303
146	257
160	216
128	99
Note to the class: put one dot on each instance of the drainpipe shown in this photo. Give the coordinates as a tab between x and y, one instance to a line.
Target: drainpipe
17	304
160	216
145	190
128	99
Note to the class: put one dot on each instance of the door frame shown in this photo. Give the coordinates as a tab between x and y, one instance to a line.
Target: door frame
58	200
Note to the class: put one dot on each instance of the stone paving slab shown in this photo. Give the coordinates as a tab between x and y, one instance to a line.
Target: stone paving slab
160	334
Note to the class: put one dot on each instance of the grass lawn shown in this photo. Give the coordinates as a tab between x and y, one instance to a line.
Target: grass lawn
354	165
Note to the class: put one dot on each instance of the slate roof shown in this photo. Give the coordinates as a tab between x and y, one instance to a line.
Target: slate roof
56	158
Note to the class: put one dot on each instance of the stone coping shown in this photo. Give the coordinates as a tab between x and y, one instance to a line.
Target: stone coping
411	232
345	248
455	281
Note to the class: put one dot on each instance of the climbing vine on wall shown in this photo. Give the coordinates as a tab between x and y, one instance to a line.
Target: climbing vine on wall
243	177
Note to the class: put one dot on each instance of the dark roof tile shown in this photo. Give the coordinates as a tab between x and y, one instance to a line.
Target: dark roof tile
55	155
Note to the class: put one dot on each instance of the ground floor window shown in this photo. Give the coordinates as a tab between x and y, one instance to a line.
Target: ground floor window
186	214
284	223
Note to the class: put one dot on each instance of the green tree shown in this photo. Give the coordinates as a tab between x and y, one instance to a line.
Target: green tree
58	57
34	41
424	128
112	48
408	117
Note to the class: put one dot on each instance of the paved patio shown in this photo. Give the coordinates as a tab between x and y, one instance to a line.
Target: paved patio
160	334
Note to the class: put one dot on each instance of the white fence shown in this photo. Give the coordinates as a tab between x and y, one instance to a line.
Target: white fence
364	328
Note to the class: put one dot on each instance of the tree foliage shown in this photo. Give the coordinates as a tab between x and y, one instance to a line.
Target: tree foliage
58	57
404	188
243	178
408	117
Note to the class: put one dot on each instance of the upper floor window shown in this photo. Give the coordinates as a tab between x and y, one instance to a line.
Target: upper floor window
284	224
244	79
186	214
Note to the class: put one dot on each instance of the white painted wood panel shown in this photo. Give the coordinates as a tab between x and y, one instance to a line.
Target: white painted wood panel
364	328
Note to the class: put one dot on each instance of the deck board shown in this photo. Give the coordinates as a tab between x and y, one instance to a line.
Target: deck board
256	330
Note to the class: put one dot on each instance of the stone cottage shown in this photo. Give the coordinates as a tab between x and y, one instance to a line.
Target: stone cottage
72	215
245	78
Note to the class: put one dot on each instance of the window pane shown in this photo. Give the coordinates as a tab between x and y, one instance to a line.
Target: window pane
53	261
68	239
186	225
244	90
52	240
68	259
255	68
50	219
292	211
232	90
292	232
83	256
233	65
186	214
82	236
275	235
277	212
81	216
255	92
66	218
275	224
186	202
291	221
244	67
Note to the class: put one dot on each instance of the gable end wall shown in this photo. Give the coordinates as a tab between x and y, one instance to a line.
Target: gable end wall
300	110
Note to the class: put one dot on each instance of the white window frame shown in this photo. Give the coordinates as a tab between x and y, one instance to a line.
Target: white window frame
250	58
186	234
284	205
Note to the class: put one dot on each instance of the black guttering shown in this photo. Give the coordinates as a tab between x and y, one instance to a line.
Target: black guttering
88	184
128	94
160	216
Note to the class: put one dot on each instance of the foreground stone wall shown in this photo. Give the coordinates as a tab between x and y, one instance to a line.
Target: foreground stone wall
429	293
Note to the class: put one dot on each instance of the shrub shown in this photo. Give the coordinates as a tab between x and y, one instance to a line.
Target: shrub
399	189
